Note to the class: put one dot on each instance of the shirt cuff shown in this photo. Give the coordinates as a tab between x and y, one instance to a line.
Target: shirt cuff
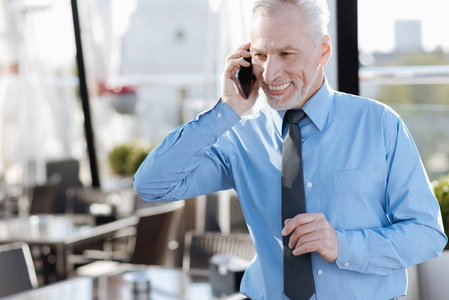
351	250
219	119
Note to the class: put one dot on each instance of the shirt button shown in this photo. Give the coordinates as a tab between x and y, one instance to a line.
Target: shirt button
346	263
309	184
219	115
320	272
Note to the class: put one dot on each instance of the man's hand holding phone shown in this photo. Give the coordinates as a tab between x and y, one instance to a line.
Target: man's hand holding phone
245	79
240	92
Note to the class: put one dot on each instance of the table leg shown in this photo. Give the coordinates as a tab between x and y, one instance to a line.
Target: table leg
62	253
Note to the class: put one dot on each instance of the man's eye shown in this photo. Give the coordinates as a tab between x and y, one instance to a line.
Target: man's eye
285	53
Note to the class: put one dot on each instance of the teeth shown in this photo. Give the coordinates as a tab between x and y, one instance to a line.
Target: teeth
279	87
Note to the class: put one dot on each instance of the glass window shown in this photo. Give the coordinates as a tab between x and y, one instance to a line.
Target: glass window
41	116
154	65
150	65
404	62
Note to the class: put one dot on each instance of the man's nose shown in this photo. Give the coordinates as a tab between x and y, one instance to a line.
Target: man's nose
272	70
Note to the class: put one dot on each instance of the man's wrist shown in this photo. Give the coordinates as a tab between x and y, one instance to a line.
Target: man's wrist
236	108
220	118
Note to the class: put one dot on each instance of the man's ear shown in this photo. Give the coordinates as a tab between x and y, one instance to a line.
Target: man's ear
326	50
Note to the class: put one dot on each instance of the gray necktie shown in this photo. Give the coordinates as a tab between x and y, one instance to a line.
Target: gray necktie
298	276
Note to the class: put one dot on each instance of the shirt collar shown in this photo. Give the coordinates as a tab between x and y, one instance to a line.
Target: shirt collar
317	107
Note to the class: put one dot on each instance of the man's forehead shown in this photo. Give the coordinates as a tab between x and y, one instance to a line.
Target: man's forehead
278	39
275	49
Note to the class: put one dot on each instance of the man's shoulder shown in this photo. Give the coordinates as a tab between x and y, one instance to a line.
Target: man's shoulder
359	104
351	99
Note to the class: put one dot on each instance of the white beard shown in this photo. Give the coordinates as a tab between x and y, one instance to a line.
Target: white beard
298	98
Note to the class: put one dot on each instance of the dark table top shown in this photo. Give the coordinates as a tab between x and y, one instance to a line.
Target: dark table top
57	229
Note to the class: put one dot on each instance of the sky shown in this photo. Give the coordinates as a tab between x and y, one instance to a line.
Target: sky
377	17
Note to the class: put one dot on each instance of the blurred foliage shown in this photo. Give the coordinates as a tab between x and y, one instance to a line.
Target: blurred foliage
417	94
441	190
125	159
135	159
435	57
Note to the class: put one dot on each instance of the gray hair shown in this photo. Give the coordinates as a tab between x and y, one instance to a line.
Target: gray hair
316	12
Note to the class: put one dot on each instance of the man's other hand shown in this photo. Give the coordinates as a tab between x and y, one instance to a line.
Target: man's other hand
312	232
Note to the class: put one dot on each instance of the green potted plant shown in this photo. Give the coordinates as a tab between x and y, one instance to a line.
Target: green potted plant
125	159
441	190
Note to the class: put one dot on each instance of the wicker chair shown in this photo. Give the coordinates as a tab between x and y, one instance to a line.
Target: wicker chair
79	199
156	238
200	247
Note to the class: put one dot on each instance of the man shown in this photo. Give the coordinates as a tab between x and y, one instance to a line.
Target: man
370	213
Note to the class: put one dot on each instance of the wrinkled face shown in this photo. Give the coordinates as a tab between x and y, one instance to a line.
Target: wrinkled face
286	61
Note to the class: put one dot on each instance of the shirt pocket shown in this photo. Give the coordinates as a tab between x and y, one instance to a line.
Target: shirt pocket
359	197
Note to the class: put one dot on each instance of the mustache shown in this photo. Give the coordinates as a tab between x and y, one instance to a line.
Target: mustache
276	82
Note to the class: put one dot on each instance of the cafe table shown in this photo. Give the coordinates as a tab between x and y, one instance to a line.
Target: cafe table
159	283
61	233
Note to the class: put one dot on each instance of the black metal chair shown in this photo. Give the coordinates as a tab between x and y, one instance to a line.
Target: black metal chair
154	242
199	247
43	196
17	271
68	169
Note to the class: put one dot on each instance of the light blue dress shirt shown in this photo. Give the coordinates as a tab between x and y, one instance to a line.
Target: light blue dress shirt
361	170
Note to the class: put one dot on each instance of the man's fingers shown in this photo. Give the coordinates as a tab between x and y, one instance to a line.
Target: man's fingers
233	65
238	54
237	58
307	247
239	62
317	236
298	220
241	51
301	232
311	232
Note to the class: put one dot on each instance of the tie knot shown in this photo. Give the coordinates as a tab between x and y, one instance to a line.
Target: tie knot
293	116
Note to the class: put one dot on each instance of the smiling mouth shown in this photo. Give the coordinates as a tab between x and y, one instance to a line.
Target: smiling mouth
279	87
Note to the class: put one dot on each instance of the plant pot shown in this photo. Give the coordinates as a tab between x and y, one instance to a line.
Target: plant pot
124	104
433	276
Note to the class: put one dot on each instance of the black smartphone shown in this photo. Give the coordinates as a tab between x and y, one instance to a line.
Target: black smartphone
245	79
